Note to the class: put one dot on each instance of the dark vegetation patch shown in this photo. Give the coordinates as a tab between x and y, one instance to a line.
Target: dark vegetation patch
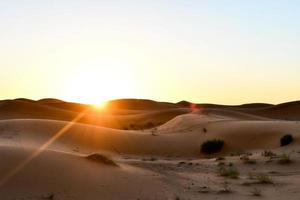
212	146
284	159
102	159
286	140
229	172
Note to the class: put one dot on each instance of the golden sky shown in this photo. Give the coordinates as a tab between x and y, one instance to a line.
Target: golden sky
228	52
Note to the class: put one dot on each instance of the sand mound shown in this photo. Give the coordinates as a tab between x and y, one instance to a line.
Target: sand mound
285	111
20	109
230	114
102	159
69	106
179	137
66	176
140	104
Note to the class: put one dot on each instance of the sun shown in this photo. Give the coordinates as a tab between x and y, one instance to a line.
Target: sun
99	106
94	83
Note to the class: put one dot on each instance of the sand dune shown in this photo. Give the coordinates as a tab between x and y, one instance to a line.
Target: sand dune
181	136
20	109
55	175
140	153
140	104
285	111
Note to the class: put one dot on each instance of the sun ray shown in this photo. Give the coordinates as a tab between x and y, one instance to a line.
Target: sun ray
38	151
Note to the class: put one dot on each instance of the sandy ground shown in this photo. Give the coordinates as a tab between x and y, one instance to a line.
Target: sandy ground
51	149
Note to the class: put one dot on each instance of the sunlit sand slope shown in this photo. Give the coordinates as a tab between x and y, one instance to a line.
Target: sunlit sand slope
56	175
181	136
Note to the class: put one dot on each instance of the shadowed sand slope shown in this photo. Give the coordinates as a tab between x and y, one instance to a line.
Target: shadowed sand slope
55	175
140	104
286	111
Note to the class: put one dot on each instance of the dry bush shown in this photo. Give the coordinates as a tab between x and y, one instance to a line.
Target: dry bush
286	139
212	146
99	158
247	160
258	179
284	159
225	188
256	192
264	179
268	153
228	172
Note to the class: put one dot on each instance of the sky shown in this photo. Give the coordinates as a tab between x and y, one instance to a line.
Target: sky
89	51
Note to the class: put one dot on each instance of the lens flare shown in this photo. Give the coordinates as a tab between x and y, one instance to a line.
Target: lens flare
99	106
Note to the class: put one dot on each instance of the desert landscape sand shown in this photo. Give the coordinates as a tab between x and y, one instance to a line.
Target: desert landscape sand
142	149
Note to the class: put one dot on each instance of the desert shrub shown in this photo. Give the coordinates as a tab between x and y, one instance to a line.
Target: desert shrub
240	152
225	188
247	160
102	159
229	172
256	192
258	179
284	159
264	179
268	153
286	139
48	196
212	146
220	158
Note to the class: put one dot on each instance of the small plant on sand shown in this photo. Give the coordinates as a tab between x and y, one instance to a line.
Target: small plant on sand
101	159
229	172
258	179
220	158
284	159
240	152
212	146
247	160
49	196
286	139
225	188
221	163
264	179
256	192
268	153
